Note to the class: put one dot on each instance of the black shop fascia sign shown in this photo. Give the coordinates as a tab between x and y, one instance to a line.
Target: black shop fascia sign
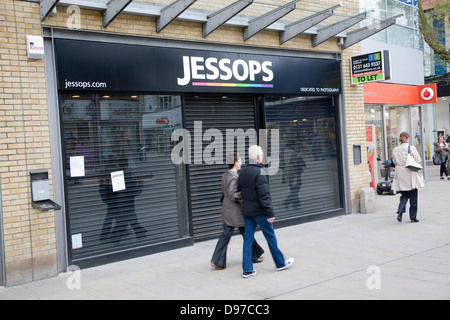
98	67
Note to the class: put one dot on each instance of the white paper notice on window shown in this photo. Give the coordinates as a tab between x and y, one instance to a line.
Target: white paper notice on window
117	181
77	166
77	241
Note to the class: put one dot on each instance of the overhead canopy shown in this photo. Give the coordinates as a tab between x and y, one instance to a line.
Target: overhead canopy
114	7
363	33
171	12
218	18
260	23
325	33
46	6
179	9
302	25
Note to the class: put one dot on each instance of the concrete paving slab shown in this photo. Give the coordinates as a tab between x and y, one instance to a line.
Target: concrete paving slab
333	258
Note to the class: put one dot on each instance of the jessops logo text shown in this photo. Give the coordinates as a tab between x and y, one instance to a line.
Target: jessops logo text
199	68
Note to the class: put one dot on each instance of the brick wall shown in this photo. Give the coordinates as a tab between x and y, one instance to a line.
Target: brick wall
29	235
355	125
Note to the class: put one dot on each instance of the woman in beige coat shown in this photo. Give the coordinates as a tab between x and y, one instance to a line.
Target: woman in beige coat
405	180
232	215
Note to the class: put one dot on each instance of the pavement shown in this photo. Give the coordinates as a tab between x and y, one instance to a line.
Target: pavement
352	257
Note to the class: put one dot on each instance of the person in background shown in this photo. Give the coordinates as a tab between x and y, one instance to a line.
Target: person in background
232	215
405	180
441	147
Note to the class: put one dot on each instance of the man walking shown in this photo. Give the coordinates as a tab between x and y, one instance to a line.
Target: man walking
257	209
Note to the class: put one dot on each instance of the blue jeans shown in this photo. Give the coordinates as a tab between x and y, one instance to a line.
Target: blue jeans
249	236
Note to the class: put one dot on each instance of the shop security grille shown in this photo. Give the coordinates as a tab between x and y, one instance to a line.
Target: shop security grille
307	181
221	113
123	190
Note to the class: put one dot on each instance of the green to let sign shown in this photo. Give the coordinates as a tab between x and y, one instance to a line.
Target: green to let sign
368	78
370	67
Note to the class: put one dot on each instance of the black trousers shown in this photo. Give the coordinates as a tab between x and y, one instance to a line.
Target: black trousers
444	168
220	253
412	196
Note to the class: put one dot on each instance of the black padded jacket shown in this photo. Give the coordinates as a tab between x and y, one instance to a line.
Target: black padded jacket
255	193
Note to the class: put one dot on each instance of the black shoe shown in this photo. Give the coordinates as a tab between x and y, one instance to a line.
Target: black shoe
399	217
414	220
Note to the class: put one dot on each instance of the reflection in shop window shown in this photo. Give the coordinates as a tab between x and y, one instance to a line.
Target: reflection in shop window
124	137
308	155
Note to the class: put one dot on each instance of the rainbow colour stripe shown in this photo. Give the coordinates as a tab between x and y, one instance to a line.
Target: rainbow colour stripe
219	84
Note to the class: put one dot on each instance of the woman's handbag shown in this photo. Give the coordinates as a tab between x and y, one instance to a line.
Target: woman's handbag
411	163
438	158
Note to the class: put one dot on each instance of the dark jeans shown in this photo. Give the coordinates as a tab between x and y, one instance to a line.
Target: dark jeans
220	253
412	196
268	232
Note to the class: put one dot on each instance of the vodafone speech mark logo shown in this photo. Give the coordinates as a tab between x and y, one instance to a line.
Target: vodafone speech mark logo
427	94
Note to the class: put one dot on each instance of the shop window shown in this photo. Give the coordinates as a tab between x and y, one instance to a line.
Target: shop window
396	122
123	191
374	129
308	179
375	143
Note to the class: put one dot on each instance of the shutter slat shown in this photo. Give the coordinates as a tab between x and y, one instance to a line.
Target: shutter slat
232	112
308	127
110	131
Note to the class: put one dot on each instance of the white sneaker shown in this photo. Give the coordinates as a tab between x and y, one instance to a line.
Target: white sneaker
249	274
287	264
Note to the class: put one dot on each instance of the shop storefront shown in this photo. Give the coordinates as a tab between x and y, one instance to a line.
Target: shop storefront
133	106
132	182
439	112
389	110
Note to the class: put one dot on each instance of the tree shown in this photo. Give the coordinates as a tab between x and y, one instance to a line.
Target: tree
440	12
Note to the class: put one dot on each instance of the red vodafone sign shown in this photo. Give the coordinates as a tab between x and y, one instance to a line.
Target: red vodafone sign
389	93
427	94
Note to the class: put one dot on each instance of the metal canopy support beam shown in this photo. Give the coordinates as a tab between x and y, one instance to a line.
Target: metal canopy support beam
46	6
259	23
113	8
218	18
171	12
326	33
363	33
300	26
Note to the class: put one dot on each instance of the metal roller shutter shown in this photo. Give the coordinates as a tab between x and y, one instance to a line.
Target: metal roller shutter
222	113
122	134
308	179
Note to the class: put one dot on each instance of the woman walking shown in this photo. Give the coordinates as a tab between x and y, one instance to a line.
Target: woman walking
441	147
406	180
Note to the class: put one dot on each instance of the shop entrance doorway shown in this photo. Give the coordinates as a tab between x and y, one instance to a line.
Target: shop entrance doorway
208	115
381	142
